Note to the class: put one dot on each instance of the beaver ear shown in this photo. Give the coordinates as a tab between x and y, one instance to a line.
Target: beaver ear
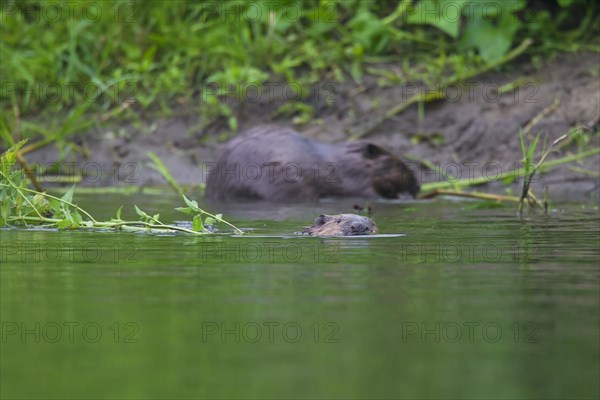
321	219
371	151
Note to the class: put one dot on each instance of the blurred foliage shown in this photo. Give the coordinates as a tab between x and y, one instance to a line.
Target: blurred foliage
93	57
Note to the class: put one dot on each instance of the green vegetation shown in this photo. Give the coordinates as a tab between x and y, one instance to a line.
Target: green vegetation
89	62
87	59
21	206
527	172
159	166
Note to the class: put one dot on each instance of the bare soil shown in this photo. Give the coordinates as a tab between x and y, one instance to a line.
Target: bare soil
473	132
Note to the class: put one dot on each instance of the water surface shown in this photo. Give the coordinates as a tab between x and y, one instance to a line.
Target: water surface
453	302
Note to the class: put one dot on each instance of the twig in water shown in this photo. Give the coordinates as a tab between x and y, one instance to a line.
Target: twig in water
474	195
515	173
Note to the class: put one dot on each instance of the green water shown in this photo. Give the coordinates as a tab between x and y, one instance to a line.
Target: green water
467	303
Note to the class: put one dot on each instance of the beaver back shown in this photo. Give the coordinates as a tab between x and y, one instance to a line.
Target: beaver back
279	164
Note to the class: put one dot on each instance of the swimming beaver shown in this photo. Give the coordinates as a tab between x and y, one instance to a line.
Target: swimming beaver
279	164
341	225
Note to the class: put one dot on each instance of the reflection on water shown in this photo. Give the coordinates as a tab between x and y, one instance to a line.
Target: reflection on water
446	302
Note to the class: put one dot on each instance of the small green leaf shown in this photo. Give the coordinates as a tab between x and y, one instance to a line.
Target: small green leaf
193	204
432	12
4	211
76	217
68	196
7	160
119	212
64	223
55	205
67	214
492	35
209	221
197	223
232	122
533	146
185	210
140	212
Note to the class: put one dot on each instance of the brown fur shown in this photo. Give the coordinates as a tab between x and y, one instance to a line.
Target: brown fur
279	164
342	225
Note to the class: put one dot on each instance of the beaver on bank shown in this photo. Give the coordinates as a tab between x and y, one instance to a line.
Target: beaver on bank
279	164
341	225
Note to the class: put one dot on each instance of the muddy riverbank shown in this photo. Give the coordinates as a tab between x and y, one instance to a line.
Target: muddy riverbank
473	132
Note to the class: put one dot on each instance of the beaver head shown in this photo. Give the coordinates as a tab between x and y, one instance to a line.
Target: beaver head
342	225
371	168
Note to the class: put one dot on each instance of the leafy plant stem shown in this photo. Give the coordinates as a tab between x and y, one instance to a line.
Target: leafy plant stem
55	198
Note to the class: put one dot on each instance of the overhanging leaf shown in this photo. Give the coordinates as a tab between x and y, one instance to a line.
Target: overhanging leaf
443	14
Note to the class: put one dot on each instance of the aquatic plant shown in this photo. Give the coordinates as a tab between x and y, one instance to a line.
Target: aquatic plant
22	206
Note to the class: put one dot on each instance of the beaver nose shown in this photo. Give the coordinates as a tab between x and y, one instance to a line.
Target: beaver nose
358	228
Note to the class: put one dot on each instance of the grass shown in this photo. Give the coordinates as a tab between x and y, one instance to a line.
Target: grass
167	56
